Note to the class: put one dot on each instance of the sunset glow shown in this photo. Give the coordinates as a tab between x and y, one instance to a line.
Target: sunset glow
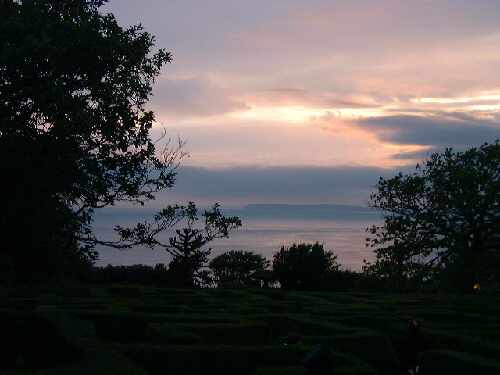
304	116
324	84
310	102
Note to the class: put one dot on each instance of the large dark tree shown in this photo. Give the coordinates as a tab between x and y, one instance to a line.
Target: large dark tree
441	222
74	129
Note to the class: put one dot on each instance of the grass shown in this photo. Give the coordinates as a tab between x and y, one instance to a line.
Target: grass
147	330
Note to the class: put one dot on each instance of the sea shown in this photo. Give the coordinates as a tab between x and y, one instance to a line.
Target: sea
266	228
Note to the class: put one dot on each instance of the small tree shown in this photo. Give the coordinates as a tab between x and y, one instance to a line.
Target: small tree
238	268
304	266
441	222
187	246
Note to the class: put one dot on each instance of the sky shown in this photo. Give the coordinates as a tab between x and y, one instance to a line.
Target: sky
292	101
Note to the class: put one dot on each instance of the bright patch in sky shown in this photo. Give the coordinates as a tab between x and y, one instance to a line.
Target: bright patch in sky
293	115
479	98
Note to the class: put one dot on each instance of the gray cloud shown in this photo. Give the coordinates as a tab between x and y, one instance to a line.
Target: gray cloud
295	185
412	155
432	131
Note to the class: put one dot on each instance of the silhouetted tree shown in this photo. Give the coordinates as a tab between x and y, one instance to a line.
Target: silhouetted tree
304	266
187	245
74	130
238	269
441	222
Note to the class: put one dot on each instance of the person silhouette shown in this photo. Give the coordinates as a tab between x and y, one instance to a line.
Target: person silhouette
414	344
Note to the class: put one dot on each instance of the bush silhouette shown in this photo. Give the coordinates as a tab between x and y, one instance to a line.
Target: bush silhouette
238	269
304	266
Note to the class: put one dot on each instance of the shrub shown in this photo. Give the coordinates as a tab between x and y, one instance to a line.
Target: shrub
238	269
134	274
219	360
245	333
373	349
169	334
237	333
447	362
117	327
458	343
288	370
124	291
304	266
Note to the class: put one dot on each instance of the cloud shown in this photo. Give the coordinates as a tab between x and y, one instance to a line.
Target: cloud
295	185
288	96
415	155
441	131
386	47
296	58
235	188
192	97
250	143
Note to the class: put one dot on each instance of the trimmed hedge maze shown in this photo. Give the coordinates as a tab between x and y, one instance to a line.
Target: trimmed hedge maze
142	330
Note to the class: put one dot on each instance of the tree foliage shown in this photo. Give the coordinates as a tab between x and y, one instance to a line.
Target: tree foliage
304	266
75	133
238	268
442	221
187	245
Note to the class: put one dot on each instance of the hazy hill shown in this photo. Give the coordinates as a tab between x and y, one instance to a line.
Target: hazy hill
306	211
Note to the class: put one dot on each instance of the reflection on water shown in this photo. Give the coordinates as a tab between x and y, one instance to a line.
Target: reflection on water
265	236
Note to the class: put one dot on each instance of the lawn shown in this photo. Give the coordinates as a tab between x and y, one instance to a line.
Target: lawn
124	329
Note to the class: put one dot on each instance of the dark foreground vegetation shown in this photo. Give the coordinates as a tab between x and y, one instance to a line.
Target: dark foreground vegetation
126	329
